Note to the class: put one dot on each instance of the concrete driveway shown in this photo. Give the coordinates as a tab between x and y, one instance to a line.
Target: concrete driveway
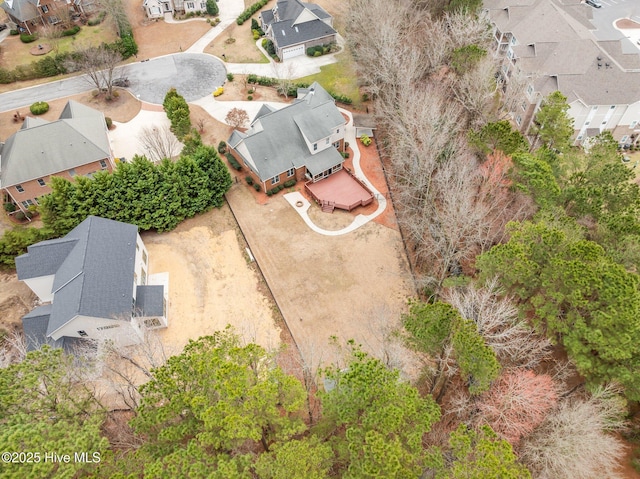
194	75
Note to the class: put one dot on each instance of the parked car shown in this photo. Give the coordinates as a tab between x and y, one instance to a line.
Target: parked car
594	3
122	82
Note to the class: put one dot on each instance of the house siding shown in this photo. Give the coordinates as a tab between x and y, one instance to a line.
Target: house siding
42	286
33	190
125	334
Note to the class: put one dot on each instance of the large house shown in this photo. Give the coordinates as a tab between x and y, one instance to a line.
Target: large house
549	45
75	144
300	141
158	8
94	283
294	26
30	13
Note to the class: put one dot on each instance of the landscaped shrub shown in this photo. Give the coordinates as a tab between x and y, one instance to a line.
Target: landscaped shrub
290	183
20	216
246	15
233	162
9	207
230	76
14	31
71	31
248	179
212	7
177	111
269	47
256	26
345	154
26	38
96	21
250	98
109	122
39	107
365	140
255	33
219	91
51	66
126	45
256	186
341	98
317	54
222	147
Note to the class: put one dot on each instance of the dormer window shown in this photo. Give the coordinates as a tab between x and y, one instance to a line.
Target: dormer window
315	147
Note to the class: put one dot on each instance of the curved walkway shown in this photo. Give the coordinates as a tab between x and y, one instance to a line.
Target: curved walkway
360	220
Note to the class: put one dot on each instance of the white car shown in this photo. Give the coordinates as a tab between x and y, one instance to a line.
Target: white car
594	3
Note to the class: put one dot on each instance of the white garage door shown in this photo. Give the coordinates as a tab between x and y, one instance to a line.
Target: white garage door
292	52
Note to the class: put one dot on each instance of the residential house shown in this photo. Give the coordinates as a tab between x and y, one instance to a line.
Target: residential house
75	144
300	141
157	8
30	13
94	284
294	26
187	6
549	45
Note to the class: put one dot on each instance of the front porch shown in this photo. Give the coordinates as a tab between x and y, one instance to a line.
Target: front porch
340	190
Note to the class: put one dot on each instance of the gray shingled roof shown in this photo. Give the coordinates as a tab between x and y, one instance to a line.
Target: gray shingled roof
44	148
34	325
44	258
150	300
556	44
287	33
274	142
20	9
95	277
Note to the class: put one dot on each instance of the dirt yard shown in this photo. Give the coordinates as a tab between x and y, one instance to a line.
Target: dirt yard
211	282
16	300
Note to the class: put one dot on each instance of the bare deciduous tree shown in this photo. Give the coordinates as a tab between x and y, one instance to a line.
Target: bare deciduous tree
511	338
98	64
159	142
237	118
577	439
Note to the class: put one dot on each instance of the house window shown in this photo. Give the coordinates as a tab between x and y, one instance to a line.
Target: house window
83	334
291	172
72	172
586	123
624	139
595	108
337	144
327	141
103	164
144	256
152	323
275	180
524	106
190	5
144	276
579	137
633	124
338	131
45	9
612	107
315	147
203	5
513	40
40	181
518	120
27	203
20	188
530	90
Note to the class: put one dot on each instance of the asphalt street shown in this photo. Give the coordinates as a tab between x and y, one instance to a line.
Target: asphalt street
194	75
612	10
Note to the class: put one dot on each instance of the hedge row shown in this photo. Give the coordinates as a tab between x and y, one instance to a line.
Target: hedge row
177	110
246	15
266	81
233	162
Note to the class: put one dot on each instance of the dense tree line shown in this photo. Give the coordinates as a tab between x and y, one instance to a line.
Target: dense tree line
153	197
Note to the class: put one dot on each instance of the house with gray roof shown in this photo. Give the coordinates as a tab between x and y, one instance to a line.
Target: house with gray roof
301	141
93	283
27	14
554	45
75	144
293	26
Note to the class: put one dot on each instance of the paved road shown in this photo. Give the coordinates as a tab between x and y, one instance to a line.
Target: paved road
194	75
612	10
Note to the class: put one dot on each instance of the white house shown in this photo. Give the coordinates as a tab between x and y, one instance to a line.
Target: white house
95	284
549	45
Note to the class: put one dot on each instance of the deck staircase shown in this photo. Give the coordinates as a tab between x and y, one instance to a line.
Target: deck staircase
328	206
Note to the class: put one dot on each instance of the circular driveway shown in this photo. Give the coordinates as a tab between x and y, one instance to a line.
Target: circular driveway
194	75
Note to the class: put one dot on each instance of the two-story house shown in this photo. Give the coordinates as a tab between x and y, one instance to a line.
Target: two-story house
301	141
158	8
94	283
549	45
294	26
75	144
29	13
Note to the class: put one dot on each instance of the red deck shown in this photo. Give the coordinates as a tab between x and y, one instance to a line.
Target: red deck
340	190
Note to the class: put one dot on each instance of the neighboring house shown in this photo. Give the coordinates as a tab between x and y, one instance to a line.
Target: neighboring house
547	45
157	8
186	6
75	144
294	26
29	13
300	141
95	284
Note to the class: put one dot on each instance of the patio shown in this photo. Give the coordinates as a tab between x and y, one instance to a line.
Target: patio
340	190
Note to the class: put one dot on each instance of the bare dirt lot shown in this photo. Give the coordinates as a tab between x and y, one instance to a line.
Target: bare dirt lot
353	286
211	282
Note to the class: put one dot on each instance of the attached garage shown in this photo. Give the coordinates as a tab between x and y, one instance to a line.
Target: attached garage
294	51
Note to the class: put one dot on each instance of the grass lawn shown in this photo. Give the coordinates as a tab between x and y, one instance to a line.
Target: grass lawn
15	53
339	78
242	49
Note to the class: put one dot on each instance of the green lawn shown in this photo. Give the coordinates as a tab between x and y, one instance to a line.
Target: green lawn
339	78
17	53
